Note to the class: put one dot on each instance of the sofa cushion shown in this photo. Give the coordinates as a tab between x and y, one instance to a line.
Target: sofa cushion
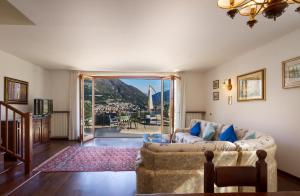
195	129
190	139
240	133
209	132
219	127
228	135
179	136
186	138
261	142
224	146
203	124
172	147
196	147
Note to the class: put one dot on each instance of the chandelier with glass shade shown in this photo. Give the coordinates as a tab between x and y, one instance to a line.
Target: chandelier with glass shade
251	8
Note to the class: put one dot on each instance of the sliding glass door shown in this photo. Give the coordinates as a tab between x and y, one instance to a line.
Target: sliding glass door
126	106
87	128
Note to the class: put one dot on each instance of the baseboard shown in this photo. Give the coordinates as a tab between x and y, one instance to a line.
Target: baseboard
288	174
64	139
59	138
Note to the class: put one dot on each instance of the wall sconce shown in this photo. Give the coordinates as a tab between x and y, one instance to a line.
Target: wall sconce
227	84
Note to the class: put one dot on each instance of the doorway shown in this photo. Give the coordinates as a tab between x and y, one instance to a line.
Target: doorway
126	106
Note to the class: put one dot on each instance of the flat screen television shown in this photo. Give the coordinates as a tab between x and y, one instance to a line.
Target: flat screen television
43	106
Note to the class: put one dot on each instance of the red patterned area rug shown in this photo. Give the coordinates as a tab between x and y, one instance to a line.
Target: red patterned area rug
91	159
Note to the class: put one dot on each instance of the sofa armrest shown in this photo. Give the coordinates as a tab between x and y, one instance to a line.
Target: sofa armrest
263	142
177	130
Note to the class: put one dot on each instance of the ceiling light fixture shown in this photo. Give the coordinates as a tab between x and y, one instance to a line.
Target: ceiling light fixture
271	9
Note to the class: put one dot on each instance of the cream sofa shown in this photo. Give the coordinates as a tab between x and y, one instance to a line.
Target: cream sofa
178	167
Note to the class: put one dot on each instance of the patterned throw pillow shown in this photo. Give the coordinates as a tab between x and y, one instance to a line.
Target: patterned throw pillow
250	135
228	135
196	129
209	132
240	133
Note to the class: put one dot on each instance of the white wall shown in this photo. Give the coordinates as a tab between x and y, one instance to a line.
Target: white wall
17	68
195	94
60	89
279	114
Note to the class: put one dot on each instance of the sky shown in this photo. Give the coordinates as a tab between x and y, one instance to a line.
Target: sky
143	84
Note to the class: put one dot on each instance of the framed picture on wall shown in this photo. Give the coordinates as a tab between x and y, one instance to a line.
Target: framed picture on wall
291	73
15	91
215	84
252	86
216	96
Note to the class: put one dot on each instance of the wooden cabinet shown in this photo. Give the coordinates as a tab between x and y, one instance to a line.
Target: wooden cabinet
41	129
45	130
36	128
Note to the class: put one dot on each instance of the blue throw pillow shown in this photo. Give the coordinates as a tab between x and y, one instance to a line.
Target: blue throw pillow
196	129
209	132
228	135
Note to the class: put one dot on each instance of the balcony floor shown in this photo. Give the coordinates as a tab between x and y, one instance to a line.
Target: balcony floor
125	131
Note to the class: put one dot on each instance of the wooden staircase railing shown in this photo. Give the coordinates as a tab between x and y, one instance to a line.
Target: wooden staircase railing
16	134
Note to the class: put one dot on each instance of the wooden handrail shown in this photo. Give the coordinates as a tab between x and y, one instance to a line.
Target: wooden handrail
12	108
17	134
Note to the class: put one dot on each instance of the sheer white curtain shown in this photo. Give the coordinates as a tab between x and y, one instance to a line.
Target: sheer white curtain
74	99
179	109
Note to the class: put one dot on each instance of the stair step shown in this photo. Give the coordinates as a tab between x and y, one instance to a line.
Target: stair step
7	163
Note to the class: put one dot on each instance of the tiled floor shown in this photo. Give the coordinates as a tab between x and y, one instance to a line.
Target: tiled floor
134	131
116	142
114	132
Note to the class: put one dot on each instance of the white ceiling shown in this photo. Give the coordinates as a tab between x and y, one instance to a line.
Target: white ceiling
135	35
9	15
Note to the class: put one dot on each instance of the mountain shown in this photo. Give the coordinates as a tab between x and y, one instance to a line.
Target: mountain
157	97
117	90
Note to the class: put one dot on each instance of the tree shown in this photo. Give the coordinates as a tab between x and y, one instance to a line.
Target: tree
87	112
